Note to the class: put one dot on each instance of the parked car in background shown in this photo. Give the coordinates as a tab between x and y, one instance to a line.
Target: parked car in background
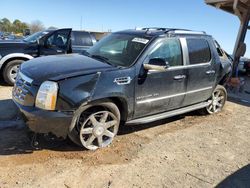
26	32
132	76
1	35
43	43
241	66
12	37
247	67
81	41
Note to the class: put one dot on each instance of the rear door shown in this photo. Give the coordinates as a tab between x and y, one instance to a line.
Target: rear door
56	43
201	70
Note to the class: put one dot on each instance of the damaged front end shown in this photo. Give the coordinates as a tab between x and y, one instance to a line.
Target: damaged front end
44	117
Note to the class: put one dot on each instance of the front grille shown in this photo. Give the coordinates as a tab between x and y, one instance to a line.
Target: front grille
22	90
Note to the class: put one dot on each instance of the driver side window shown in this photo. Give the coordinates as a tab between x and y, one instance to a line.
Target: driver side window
58	39
170	51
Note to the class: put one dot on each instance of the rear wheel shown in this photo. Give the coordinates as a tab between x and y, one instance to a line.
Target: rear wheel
217	101
10	71
95	127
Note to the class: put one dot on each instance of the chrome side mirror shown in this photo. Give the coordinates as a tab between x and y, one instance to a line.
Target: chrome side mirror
156	64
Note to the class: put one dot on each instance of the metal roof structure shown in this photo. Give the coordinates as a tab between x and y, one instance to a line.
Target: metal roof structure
240	8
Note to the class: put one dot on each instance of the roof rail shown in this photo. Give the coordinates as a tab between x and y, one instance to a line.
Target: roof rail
185	31
173	30
155	28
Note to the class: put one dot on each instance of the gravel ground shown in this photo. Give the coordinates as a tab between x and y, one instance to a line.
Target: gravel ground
185	151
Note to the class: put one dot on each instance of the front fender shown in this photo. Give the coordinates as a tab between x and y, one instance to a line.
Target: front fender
75	91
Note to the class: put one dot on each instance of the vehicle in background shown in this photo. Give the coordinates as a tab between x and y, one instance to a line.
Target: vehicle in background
247	67
1	35
131	76
242	66
82	41
43	43
13	37
26	32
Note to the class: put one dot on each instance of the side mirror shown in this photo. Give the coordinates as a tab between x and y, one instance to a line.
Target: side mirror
157	64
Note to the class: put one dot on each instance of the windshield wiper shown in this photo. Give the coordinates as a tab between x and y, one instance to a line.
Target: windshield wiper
103	59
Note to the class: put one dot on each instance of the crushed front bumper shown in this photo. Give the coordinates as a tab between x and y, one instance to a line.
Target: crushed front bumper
42	121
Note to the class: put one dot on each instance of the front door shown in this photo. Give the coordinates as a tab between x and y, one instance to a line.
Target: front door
56	43
156	91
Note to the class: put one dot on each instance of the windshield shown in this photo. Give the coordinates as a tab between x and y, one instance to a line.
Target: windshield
34	37
118	49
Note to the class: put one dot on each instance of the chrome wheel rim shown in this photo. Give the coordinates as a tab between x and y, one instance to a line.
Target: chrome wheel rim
217	102
98	130
13	72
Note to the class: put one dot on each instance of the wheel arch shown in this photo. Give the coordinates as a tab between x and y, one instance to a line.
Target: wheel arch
15	56
120	102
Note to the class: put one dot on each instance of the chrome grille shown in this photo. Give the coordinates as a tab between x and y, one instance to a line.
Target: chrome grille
21	87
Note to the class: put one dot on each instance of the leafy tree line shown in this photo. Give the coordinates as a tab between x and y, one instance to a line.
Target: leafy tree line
18	26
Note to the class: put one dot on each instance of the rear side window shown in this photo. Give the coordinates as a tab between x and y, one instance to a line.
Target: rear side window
81	38
199	51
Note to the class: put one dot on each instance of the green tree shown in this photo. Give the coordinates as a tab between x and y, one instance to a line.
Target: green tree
6	25
17	26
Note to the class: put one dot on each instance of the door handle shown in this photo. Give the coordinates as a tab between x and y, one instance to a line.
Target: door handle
59	51
210	72
179	77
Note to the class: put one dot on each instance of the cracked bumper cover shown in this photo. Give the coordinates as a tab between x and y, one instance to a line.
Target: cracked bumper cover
42	121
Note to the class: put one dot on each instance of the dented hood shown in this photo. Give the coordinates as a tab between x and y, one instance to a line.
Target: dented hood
61	66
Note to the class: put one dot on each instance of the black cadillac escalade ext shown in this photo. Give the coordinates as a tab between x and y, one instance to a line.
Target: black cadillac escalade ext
132	77
43	43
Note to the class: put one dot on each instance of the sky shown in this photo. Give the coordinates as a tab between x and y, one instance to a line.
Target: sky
115	15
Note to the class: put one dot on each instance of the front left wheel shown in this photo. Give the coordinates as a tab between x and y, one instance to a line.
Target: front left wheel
95	126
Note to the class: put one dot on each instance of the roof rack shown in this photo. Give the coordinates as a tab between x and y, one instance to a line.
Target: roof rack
185	31
173	30
155	28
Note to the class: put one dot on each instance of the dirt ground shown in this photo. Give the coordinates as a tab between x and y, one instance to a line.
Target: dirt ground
184	151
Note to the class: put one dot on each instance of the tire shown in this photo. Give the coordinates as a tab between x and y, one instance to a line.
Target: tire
10	71
216	101
95	126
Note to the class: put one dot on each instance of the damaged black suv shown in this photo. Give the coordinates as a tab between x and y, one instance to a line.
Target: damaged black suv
129	77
